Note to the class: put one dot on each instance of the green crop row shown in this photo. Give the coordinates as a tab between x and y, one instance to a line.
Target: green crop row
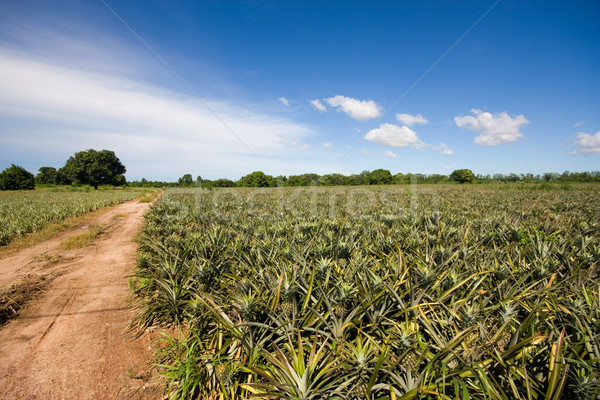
29	211
380	293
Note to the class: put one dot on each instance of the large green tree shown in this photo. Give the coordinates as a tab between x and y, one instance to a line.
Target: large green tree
47	175
257	179
186	180
16	178
95	168
462	176
380	177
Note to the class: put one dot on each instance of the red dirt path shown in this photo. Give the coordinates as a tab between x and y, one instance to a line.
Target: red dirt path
70	341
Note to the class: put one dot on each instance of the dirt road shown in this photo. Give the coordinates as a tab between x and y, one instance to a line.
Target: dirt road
69	341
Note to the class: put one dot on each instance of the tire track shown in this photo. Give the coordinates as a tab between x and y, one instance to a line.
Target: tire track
69	299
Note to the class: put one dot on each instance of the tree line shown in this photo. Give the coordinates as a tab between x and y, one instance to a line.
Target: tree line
376	177
95	168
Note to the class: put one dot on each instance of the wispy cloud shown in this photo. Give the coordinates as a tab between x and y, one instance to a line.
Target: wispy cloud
318	105
390	135
284	101
578	124
80	109
410	120
366	152
494	129
295	143
588	144
443	149
327	145
360	110
390	154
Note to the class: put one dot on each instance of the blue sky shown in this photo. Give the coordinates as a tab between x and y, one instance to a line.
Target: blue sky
224	88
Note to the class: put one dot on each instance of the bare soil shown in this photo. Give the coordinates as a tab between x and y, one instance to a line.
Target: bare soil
67	338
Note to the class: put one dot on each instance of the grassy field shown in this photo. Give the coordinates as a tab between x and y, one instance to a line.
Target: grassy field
450	292
24	212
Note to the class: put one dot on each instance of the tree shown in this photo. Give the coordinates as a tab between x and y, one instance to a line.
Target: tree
399	179
380	177
47	176
186	180
280	180
16	178
223	182
437	178
257	179
334	180
95	168
462	176
303	180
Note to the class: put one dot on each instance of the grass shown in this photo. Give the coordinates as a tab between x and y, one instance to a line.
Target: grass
83	239
50	259
14	298
148	198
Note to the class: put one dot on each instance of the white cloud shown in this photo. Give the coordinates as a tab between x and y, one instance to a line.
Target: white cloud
358	109
318	105
366	152
57	110
390	135
327	145
494	129
295	143
443	149
577	124
390	154
410	120
588	144
284	101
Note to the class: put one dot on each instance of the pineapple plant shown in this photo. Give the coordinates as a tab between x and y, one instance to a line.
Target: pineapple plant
404	343
507	313
227	374
287	298
424	275
323	268
361	359
344	249
469	316
451	279
583	385
247	306
410	361
203	275
461	285
344	301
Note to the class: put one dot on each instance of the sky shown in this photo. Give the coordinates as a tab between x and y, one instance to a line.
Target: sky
219	89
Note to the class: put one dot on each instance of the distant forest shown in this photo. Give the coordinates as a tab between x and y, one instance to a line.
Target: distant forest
96	168
376	177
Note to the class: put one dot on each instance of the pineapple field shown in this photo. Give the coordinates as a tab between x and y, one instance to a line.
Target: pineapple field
405	292
23	212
